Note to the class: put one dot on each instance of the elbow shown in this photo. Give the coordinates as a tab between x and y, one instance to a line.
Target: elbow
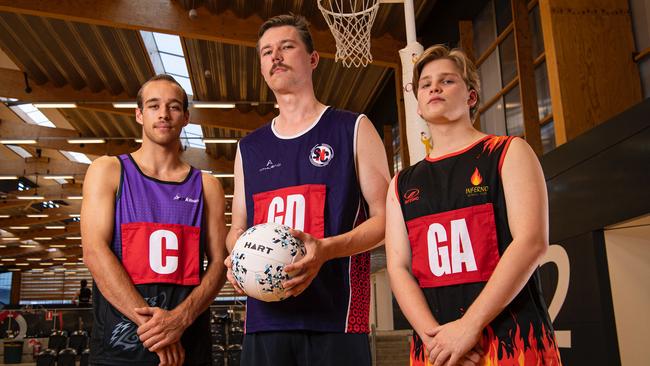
540	249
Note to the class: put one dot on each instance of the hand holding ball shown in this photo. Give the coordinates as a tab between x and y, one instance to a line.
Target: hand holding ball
259	257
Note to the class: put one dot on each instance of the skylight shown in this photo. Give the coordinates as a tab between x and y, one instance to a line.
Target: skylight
20	151
76	157
167	57
166	53
31	114
192	135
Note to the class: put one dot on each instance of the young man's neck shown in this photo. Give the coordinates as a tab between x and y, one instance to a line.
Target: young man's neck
161	162
297	111
451	137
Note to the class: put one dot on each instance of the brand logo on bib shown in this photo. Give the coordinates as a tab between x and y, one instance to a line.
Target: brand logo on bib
321	155
270	165
411	195
476	189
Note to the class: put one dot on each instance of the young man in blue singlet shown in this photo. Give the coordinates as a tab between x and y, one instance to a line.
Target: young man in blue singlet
323	172
466	230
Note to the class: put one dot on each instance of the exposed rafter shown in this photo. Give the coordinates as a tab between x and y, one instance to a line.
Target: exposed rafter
54	214
170	17
55	138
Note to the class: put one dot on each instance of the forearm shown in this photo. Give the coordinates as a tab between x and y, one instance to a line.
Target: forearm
114	283
364	237
411	301
232	236
511	274
201	296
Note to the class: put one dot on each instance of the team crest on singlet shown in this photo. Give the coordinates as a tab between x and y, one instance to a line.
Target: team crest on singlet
321	155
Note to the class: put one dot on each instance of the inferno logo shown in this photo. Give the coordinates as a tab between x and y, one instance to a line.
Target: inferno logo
476	178
411	195
321	155
476	189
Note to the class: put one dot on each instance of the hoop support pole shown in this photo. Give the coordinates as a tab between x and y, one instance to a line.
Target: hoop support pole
409	21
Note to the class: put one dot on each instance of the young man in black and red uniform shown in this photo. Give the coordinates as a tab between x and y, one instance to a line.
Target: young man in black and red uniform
466	229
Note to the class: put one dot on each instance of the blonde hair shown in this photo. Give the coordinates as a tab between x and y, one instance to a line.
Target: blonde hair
459	57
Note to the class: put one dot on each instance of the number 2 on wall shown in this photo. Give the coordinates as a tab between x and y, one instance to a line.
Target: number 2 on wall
558	256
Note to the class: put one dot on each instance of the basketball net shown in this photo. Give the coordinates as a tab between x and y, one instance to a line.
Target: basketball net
350	23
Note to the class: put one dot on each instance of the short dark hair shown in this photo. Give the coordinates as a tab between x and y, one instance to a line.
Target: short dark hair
297	21
164	77
84	283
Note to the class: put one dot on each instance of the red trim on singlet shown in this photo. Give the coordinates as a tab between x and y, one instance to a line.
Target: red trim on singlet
433	160
505	150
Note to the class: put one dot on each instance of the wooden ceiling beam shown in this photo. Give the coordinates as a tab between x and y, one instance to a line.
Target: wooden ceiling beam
12	85
54	214
170	17
55	138
42	166
232	119
70	230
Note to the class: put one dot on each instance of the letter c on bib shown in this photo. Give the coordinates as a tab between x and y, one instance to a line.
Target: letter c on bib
156	251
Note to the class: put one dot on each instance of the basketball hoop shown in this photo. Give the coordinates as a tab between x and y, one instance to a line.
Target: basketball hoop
350	22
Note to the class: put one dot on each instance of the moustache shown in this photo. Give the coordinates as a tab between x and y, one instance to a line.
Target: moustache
275	66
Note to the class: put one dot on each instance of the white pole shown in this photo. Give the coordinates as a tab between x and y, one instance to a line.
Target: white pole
409	18
417	132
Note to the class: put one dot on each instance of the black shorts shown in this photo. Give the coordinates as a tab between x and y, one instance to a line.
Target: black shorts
303	348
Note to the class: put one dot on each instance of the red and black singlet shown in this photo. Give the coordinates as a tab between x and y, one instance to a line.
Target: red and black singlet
455	213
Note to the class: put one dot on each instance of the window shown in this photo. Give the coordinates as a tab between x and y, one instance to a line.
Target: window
494	44
5	288
640	10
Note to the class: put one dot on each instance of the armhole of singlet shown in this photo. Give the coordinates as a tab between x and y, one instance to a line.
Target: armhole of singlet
354	143
397	188
505	151
118	194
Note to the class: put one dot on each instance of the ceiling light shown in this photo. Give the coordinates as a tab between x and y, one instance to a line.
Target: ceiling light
74	215
8	259
276	106
229	196
13	269
34	216
2	246
18	142
219	175
55	227
10	238
22	264
5	216
46	263
59	259
139	141
74	237
213	105
219	141
8	177
54	105
27	246
125	105
32	197
75	197
33	259
86	141
43	238
18	227
58	177
57	246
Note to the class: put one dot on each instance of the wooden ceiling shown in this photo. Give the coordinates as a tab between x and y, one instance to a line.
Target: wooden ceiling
92	53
